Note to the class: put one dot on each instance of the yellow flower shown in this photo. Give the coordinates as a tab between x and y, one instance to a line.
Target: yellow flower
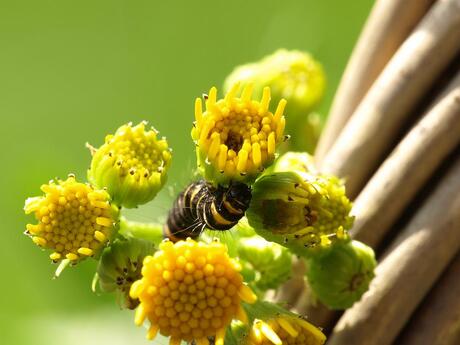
285	330
236	137
190	291
132	165
74	219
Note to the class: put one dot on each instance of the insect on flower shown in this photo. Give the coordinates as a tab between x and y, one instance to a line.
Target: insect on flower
201	205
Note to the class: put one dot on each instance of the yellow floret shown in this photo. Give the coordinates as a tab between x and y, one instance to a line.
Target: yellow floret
190	291
236	137
74	219
285	330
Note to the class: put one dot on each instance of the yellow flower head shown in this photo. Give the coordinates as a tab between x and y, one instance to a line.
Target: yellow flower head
236	137
190	291
74	219
285	330
132	165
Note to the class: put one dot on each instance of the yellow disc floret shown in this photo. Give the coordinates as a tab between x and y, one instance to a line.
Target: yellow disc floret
236	137
190	291
132	164
74	219
285	330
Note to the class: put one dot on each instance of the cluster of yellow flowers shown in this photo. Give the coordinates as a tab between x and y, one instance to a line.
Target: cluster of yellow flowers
196	291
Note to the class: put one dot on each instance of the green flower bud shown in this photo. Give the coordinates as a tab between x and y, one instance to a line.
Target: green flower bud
295	161
341	274
299	210
296	77
131	164
120	265
270	262
293	75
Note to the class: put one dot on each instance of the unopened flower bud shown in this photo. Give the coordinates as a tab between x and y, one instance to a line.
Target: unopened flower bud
131	164
120	265
270	261
295	161
340	274
295	76
299	210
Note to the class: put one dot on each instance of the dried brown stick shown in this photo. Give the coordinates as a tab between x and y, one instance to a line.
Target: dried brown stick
377	121
388	25
408	167
414	262
437	321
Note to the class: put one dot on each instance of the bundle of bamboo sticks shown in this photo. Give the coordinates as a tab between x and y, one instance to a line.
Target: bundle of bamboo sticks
393	134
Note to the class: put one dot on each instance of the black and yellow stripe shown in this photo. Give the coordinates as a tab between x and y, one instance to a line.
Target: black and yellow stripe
201	205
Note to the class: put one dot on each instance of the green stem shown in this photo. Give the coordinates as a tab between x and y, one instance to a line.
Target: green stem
148	231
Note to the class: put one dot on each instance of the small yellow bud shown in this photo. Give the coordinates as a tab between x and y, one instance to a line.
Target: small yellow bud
132	165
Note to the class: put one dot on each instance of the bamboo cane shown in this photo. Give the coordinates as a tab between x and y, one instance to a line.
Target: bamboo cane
388	25
409	166
377	121
411	266
437	321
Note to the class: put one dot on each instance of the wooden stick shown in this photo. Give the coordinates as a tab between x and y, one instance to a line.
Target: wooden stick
437	321
408	168
377	121
388	25
415	260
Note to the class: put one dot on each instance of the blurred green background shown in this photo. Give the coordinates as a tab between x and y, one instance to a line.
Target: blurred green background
73	71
